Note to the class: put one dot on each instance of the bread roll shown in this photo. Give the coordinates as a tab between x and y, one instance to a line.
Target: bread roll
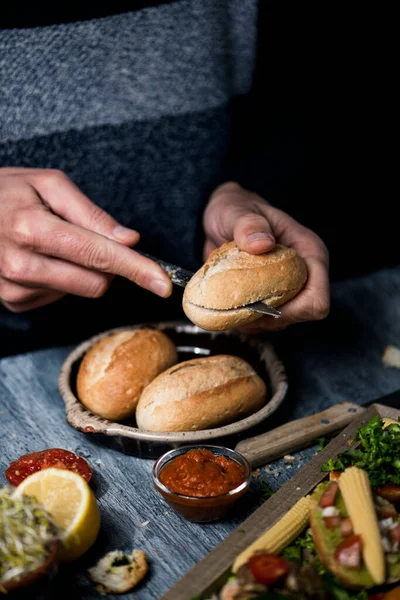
201	393
230	279
114	372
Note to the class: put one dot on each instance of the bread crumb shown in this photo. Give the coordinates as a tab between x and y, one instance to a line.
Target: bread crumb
145	523
391	357
289	458
256	472
118	572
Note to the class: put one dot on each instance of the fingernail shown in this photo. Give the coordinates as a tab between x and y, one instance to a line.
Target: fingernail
254	237
161	287
124	233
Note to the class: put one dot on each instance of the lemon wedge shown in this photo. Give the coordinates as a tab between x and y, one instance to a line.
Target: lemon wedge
72	505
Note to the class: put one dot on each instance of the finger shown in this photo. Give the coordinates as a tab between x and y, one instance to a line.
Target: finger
313	302
236	216
14	293
40	300
253	234
58	239
67	201
32	272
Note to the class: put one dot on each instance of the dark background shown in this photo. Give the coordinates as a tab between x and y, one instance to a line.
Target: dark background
326	72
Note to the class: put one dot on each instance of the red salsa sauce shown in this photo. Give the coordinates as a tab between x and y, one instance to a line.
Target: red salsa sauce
200	473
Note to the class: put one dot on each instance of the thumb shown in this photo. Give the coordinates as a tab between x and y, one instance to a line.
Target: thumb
66	200
234	215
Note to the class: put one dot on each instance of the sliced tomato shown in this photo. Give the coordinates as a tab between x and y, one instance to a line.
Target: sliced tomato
395	533
348	553
329	495
267	568
390	492
53	457
386	510
332	522
346	528
334	475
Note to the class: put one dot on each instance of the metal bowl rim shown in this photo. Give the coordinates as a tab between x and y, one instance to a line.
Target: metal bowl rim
83	420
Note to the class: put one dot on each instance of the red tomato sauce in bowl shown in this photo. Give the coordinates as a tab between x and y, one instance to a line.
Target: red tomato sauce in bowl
201	482
201	473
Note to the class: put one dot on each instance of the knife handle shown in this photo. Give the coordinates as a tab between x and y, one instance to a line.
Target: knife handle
297	434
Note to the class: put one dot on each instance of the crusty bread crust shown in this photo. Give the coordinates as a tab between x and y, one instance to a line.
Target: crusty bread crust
231	278
114	372
201	393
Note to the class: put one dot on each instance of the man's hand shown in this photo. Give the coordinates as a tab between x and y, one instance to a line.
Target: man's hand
55	241
255	225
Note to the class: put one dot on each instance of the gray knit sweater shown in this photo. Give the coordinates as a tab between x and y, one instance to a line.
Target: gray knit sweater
137	108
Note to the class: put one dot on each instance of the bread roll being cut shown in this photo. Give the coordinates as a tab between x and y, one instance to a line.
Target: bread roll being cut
201	393
114	372
215	297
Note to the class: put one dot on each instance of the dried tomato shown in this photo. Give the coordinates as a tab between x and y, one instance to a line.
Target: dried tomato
267	568
53	457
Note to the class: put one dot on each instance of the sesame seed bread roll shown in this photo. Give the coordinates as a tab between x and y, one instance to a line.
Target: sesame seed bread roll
230	278
114	372
201	393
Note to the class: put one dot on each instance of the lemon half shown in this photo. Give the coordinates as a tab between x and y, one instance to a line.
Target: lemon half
72	505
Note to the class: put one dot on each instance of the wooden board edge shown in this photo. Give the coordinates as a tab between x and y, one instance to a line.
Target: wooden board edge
210	573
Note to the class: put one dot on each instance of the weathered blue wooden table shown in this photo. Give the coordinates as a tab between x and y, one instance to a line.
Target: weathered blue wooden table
327	362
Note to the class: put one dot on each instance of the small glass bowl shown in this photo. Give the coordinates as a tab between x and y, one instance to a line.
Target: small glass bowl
201	509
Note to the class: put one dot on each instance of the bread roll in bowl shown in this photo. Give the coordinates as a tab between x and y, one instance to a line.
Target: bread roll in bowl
114	372
200	394
230	278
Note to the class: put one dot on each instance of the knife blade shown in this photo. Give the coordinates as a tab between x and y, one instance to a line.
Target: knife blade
181	277
300	433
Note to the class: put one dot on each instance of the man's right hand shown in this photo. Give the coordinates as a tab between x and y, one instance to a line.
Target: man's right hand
55	241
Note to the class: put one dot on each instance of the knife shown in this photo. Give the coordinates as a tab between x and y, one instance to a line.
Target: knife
181	277
301	433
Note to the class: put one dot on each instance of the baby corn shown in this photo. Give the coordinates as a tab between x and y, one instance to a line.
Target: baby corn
280	535
357	495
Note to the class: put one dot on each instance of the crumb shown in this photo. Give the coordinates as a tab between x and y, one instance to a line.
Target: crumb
266	467
256	472
391	357
145	523
289	458
289	466
118	572
13	435
298	489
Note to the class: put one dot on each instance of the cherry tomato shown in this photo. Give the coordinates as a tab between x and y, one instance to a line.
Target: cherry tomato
267	568
390	492
329	495
37	461
348	553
